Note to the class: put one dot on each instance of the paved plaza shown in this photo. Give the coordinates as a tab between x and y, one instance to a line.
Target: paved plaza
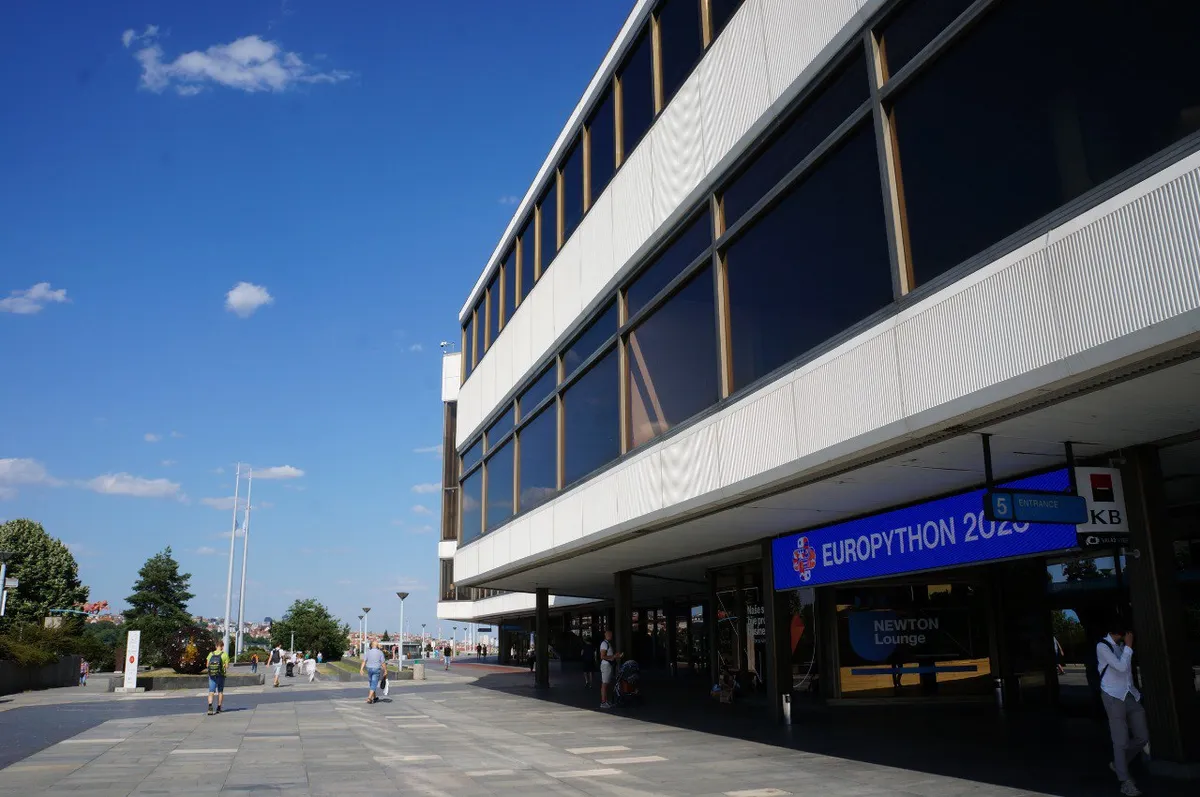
452	735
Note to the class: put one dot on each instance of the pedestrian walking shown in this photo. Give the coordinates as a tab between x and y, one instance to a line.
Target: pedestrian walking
372	665
276	660
310	666
254	663
217	664
84	668
320	657
608	668
1122	703
447	653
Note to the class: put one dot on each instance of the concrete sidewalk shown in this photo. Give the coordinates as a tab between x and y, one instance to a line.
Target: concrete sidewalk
456	739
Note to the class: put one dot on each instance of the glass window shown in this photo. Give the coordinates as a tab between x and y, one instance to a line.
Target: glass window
539	459
690	244
1097	87
681	43
602	145
916	25
722	12
493	311
511	297
813	266
499	506
472	506
846	90
673	372
500	427
543	386
528	253
468	346
472	455
572	188
592	419
637	94
600	330
548	214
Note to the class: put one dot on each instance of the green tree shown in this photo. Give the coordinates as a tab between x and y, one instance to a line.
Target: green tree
385	637
1082	570
158	605
315	628
45	568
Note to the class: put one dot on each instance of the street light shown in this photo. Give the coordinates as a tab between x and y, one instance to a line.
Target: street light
454	643
366	644
360	634
422	640
4	557
402	596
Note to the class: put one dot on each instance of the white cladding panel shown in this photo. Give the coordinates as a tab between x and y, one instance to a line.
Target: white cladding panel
763	50
451	375
1121	279
503	606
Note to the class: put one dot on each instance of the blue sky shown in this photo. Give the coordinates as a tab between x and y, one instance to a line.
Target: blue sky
353	164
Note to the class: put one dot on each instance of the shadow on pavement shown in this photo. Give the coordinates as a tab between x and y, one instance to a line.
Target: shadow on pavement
1033	751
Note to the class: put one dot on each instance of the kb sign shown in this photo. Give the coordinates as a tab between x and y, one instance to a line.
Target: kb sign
1107	519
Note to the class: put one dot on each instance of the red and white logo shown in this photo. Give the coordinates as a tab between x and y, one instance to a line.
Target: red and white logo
804	559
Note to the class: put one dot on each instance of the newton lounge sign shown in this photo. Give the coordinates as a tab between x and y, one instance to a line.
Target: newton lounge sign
947	532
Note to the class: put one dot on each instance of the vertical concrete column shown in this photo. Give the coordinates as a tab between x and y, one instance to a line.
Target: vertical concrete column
541	638
777	666
742	627
1160	635
712	628
622	626
671	622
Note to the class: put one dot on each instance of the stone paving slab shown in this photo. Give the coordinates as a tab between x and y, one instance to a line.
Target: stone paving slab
472	742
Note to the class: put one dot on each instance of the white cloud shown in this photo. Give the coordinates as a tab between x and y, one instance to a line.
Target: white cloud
176	434
418	509
429	449
136	486
278	472
249	64
245	297
225	503
408	585
205	550
32	300
421	529
397	522
16	473
166	463
151	437
509	199
428	487
416	347
218	471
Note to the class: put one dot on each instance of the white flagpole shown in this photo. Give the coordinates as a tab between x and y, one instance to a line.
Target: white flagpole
245	547
237	480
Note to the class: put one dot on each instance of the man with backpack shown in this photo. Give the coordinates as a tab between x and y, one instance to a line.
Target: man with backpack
217	665
1122	703
276	661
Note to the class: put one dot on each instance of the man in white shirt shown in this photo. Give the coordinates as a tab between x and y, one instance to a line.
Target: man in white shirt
1122	703
608	667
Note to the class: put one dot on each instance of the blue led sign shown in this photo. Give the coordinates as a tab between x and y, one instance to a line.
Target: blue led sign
944	533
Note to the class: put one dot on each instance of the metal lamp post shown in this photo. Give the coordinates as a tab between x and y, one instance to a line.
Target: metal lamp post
4	557
402	596
360	635
422	640
454	643
366	643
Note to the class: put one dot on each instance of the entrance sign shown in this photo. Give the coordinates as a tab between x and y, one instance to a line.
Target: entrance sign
1105	496
133	644
1035	507
947	532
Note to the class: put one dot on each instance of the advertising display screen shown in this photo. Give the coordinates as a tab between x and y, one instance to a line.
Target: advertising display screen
946	532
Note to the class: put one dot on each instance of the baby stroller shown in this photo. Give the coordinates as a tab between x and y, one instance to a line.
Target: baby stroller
626	690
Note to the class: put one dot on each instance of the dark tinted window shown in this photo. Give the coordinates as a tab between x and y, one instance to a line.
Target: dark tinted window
528	254
539	459
469	344
812	266
1083	89
602	145
472	507
600	330
548	212
511	298
472	455
572	188
493	310
673	372
681	39
819	117
592	419
690	244
916	25
637	94
499	506
500	427
541	388
722	12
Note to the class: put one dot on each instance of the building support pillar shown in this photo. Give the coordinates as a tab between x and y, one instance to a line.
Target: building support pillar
741	628
671	647
712	625
541	638
777	669
1160	634
622	626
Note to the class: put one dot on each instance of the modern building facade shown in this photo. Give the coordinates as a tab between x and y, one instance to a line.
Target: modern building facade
728	375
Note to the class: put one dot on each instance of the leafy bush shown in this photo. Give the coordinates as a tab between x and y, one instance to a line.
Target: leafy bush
186	649
244	656
32	645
